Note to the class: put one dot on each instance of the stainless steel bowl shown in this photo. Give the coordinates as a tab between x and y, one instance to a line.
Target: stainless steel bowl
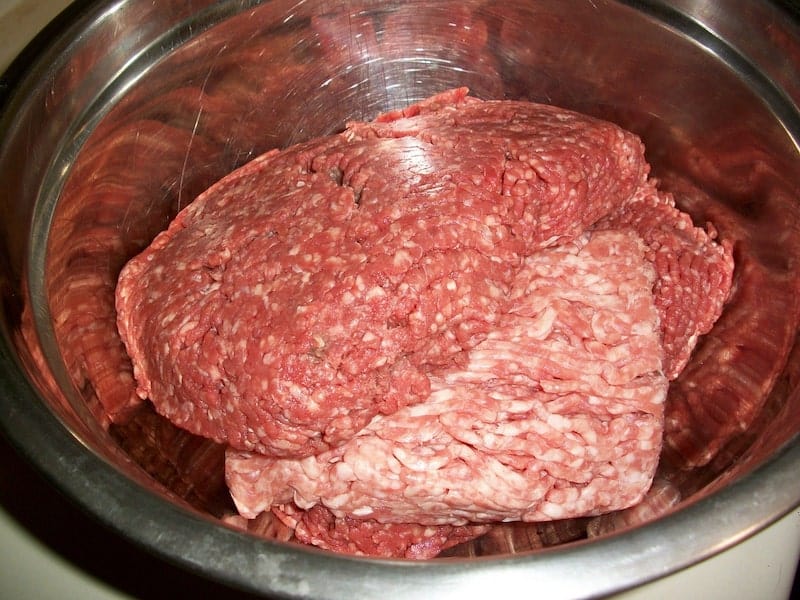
128	109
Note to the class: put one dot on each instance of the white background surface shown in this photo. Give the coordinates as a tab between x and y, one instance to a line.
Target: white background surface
50	550
20	20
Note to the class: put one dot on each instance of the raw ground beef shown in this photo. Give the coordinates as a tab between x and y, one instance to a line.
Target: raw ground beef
329	278
556	414
462	312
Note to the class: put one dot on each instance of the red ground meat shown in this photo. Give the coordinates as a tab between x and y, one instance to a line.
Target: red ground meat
350	535
315	287
459	313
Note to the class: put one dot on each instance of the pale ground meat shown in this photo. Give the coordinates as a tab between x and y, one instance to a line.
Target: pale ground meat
460	313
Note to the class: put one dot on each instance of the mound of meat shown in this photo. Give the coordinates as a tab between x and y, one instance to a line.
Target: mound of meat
461	313
559	403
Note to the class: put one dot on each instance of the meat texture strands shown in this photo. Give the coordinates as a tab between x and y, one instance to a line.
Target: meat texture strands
500	277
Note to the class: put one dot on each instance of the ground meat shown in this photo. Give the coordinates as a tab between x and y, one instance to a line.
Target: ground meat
694	272
462	312
556	414
353	535
315	287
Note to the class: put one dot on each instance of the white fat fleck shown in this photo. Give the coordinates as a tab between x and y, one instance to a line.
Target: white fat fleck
375	292
343	471
362	511
552	455
590	436
554	511
294	251
402	258
541	325
551	241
